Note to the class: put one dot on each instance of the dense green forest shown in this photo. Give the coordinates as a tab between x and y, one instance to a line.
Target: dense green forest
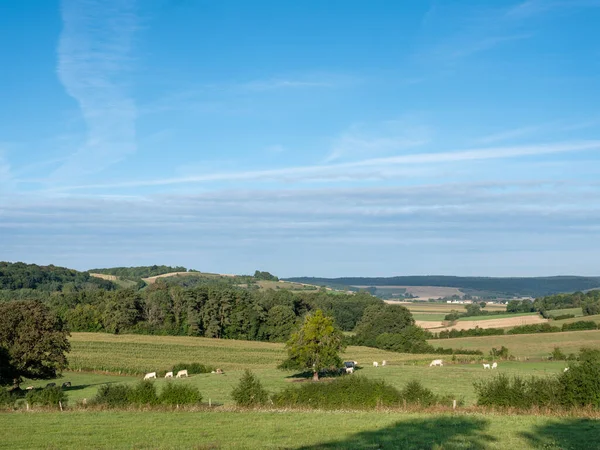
139	272
510	287
16	276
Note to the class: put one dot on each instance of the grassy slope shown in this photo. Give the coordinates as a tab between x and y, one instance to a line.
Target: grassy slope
595	318
497	316
426	307
577	312
527	345
150	353
306	430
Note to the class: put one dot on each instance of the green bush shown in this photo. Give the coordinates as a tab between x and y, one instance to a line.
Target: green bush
50	396
143	393
499	353
7	398
192	368
415	393
180	394
517	392
534	328
564	316
581	325
112	395
249	391
581	383
557	354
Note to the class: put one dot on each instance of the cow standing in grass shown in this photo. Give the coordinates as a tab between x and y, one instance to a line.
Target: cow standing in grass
437	362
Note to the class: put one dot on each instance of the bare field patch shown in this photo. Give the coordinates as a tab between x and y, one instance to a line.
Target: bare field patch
423	292
506	322
104	276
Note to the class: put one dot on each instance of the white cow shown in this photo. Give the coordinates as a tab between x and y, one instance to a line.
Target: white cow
349	369
169	375
150	375
566	369
355	363
181	373
495	365
437	362
375	364
486	366
384	363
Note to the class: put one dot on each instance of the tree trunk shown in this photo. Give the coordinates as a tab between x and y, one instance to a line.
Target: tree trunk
316	375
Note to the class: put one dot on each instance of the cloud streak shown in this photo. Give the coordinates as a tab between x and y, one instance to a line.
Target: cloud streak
362	169
94	62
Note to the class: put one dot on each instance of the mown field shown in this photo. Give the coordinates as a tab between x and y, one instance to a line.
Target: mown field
527	345
295	430
445	308
577	312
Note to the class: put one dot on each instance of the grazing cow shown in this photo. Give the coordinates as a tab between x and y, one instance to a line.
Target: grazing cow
375	364
150	375
495	365
486	366
50	385
437	362
169	375
566	369
181	373
66	384
355	363
29	388
384	363
349	369
220	371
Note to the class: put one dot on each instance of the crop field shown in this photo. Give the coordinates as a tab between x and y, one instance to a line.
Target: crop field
527	345
295	430
445	308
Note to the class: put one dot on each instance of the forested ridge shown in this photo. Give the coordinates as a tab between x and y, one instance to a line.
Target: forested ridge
15	276
513	287
139	271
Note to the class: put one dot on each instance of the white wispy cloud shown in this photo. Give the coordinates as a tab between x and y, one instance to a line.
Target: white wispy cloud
531	8
508	134
94	62
361	141
361	169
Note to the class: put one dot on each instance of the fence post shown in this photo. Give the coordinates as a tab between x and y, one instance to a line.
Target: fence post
60	405
27	403
453	404
209	402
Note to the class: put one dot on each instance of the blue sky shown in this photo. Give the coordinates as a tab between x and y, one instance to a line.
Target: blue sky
319	138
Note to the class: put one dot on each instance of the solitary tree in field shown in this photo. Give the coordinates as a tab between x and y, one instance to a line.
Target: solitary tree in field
33	342
316	346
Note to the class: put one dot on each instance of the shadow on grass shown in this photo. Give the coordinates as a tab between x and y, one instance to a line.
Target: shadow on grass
566	434
445	433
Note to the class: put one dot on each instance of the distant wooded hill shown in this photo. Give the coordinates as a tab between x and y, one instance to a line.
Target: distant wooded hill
139	271
17	276
510	287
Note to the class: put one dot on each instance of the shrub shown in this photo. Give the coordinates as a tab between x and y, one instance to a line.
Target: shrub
249	391
581	383
193	368
112	395
415	393
50	396
517	392
143	393
558	355
534	328
7	398
180	394
564	316
581	325
353	392
501	353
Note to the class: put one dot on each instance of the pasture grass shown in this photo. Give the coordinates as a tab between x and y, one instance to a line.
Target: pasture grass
577	312
132	353
294	430
538	345
594	318
429	317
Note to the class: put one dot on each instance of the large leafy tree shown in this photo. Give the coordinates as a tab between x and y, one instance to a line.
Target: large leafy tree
379	319
33	342
316	346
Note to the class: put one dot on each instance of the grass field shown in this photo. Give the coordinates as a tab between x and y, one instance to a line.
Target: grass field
595	318
295	430
431	307
577	312
497	316
135	353
527	345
